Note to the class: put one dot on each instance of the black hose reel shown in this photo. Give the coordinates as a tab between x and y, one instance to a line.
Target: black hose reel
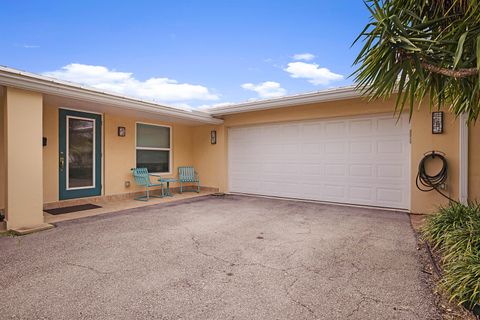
428	182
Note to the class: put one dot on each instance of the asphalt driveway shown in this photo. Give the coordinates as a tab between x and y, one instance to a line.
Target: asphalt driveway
219	258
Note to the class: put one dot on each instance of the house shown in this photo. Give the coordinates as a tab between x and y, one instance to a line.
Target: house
63	142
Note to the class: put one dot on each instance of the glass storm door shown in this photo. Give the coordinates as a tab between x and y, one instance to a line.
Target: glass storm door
79	154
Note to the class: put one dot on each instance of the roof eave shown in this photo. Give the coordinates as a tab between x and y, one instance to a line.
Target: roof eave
301	99
28	81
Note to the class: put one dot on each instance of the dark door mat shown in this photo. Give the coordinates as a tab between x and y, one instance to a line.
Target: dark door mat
81	207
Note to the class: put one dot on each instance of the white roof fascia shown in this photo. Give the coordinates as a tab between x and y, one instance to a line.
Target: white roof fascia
33	82
341	93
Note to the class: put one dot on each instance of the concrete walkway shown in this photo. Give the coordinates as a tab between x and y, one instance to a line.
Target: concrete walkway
219	258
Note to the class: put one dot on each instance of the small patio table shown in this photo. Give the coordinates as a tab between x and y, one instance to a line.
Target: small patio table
167	181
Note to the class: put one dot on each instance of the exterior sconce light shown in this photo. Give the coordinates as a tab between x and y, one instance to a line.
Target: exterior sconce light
437	122
122	131
213	137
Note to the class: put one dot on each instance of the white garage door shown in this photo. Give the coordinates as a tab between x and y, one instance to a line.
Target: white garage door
360	160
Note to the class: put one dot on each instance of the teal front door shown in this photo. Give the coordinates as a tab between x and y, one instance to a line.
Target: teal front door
80	157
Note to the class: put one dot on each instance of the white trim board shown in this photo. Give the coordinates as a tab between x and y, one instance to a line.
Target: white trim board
34	82
463	159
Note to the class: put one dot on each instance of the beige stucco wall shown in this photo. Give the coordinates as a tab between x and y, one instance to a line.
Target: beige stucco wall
211	160
50	154
119	152
118	155
310	111
23	115
423	141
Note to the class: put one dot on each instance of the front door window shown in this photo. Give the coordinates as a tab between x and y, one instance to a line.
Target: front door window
79	154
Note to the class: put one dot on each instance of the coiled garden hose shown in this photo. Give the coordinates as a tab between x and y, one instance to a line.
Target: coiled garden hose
426	182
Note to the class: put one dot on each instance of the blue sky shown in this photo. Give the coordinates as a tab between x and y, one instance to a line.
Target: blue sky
186	53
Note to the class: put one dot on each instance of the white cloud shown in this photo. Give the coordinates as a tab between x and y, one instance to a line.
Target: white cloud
158	89
215	105
312	72
30	46
303	56
267	89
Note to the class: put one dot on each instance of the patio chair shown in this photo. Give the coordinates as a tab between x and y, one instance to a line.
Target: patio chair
188	175
142	178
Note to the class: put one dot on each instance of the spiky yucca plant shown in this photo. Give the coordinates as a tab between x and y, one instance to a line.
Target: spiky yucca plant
422	48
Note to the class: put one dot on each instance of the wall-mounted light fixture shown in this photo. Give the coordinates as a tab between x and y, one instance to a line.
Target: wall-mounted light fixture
437	122
122	131
213	137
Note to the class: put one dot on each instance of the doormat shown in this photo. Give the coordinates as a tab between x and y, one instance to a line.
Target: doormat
81	207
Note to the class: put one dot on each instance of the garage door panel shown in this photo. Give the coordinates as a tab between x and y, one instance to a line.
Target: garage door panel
312	169
361	170
362	160
311	132
361	147
390	126
335	170
282	190
391	171
361	194
281	168
361	127
291	148
311	148
390	147
335	147
246	168
279	178
334	192
290	133
389	195
335	129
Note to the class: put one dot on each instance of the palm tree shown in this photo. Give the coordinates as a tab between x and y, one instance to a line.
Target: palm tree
422	49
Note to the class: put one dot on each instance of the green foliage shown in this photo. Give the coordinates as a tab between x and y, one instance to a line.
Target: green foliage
454	218
422	48
455	232
462	279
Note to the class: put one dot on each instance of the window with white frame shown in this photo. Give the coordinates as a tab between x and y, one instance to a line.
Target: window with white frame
153	148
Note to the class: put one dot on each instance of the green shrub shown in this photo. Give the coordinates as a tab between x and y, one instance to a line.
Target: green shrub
463	241
462	279
455	233
438	227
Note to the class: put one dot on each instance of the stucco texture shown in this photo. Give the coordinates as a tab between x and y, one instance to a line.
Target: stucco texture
210	160
23	139
118	155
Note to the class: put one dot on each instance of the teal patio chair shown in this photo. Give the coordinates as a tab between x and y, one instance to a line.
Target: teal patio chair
188	175
142	178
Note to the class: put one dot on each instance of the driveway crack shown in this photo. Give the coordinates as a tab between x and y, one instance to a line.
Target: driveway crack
196	244
298	302
87	267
